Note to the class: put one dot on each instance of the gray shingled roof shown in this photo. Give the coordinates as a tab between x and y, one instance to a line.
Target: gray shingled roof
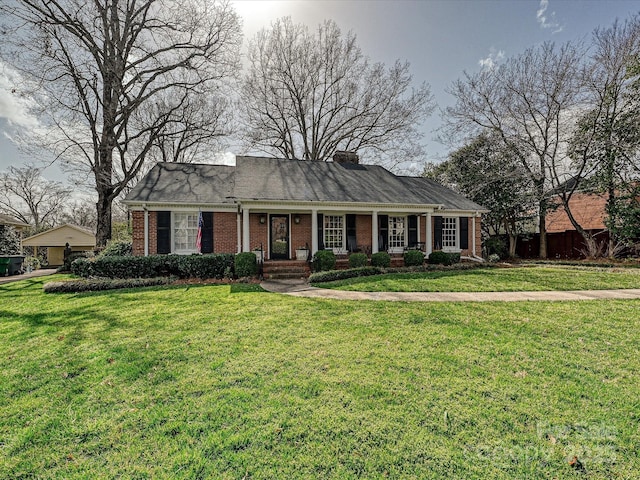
185	183
9	220
256	178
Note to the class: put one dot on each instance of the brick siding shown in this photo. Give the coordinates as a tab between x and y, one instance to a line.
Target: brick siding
301	233
138	232
225	232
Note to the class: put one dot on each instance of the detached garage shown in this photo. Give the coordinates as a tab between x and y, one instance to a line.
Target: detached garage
55	240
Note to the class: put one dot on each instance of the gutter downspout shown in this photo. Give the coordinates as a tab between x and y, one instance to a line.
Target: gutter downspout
473	255
146	230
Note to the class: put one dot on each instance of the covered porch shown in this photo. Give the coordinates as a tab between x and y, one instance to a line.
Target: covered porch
282	233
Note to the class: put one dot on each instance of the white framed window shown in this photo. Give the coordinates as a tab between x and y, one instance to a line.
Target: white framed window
450	233
185	231
397	233
334	232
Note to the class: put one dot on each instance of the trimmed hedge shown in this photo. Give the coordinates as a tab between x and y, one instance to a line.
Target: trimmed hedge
94	285
246	265
332	275
357	260
443	258
323	260
381	259
217	265
413	258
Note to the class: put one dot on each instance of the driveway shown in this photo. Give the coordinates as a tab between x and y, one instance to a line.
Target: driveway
36	273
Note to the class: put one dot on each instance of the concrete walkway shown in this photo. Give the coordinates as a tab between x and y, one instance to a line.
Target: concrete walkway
299	288
36	273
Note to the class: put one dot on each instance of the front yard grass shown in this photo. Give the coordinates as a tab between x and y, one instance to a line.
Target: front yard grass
232	382
518	279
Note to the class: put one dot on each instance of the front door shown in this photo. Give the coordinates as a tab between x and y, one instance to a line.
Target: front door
279	243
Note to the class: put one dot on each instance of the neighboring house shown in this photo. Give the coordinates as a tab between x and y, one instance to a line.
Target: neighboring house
12	222
563	241
590	211
282	205
55	240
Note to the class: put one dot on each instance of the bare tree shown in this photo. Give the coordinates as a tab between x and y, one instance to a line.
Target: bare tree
490	175
306	96
606	142
526	102
198	127
101	72
81	213
31	198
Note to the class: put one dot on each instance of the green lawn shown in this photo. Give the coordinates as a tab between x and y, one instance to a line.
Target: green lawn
520	279
232	382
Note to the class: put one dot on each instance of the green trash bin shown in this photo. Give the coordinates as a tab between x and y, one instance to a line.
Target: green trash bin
4	266
15	264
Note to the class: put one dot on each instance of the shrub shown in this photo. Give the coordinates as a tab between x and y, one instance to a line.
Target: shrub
381	259
246	264
493	258
413	258
66	266
323	260
333	275
9	241
443	258
33	262
120	248
93	285
496	245
357	260
182	266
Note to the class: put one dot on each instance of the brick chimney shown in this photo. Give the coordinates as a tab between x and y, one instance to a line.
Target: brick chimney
346	157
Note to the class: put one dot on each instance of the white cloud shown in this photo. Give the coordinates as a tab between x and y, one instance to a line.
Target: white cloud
547	20
14	106
494	58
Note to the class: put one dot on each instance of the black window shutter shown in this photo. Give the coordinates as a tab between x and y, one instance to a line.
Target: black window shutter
320	231
207	232
437	233
351	232
464	233
164	232
413	230
383	233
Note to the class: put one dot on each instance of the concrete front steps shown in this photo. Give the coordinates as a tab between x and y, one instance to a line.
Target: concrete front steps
285	269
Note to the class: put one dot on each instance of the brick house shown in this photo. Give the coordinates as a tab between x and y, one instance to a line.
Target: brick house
284	205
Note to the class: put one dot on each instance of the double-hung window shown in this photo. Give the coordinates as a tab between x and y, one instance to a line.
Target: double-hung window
185	231
334	232
450	233
397	233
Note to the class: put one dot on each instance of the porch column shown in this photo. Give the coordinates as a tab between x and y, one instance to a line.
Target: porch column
418	226
239	232
429	239
314	231
374	232
246	239
146	232
473	236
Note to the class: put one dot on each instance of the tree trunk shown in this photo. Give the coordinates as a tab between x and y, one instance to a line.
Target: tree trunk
542	253
103	231
513	242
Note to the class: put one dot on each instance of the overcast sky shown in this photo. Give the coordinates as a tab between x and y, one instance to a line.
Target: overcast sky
439	38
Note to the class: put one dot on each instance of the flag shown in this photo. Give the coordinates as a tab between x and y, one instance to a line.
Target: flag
199	237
